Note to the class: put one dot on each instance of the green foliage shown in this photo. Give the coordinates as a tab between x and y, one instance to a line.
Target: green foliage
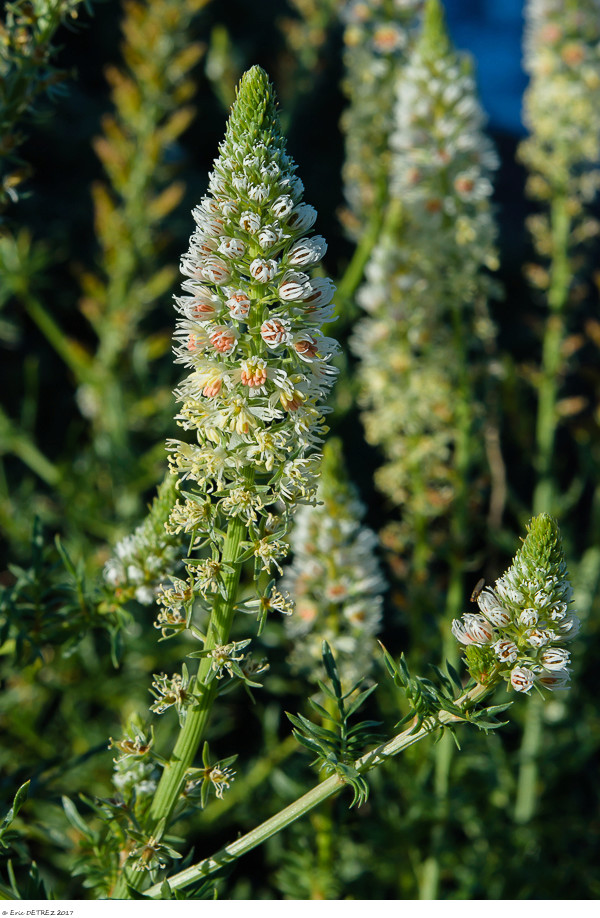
49	602
337	749
428	700
85	330
27	73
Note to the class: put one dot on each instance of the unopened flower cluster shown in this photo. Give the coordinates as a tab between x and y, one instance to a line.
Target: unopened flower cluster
377	36
335	578
427	281
524	622
249	332
149	556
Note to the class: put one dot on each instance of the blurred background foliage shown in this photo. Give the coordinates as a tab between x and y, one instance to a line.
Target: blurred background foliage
111	116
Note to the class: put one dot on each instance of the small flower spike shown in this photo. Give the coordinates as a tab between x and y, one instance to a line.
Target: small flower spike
334	578
525	618
149	556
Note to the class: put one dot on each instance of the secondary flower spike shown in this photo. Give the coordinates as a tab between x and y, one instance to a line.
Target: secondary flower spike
249	331
524	620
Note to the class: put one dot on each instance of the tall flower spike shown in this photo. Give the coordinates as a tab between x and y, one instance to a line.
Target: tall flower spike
427	284
334	578
377	37
525	620
562	104
249	331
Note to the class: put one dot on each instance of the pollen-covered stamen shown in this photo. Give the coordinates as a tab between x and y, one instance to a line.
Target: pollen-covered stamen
223	338
291	401
239	305
196	342
213	387
215	270
305	346
253	372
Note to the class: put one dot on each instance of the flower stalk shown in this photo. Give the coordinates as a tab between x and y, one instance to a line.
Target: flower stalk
313	798
249	334
193	730
561	153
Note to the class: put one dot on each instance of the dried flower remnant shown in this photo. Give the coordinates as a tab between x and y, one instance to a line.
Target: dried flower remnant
334	578
135	770
525	618
172	691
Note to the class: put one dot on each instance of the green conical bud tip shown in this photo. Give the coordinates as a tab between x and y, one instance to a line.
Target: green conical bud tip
542	545
254	112
434	41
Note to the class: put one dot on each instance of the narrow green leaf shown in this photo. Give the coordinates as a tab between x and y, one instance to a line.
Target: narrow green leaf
76	819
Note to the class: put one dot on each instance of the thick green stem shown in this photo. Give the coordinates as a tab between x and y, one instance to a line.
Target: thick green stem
551	356
544	494
193	730
205	691
310	800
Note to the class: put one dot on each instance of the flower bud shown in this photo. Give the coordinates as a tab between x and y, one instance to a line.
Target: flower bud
263	270
307	251
493	610
302	218
555	658
522	679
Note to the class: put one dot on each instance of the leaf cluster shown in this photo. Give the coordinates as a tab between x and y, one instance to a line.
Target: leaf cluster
337	748
50	603
428	700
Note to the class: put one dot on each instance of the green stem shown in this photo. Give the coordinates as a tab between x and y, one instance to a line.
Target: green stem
243	787
384	220
310	800
193	730
16	442
74	356
551	356
544	494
